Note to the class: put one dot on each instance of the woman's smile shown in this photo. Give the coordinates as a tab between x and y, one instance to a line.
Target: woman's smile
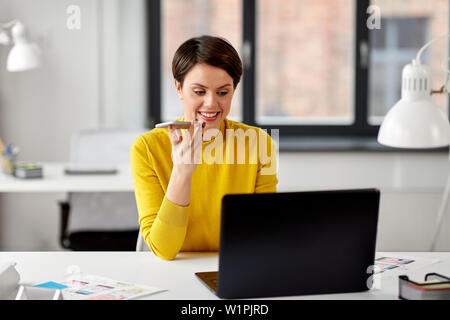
209	116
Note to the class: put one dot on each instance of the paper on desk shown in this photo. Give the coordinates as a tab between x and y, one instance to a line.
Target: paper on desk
90	287
391	266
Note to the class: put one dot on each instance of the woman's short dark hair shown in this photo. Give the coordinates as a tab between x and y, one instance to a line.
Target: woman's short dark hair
214	51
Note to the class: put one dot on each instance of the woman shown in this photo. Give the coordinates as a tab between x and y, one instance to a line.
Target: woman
179	176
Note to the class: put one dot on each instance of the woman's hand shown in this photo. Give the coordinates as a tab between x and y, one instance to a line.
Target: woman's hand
186	154
186	151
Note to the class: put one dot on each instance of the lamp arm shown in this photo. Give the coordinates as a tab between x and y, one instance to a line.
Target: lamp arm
5	39
419	54
9	24
447	75
444	88
440	216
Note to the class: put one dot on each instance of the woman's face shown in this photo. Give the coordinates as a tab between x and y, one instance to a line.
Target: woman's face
207	93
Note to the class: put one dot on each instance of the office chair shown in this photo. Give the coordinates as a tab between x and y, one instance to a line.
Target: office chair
140	244
100	221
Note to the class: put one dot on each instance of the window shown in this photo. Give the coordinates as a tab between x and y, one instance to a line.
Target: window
405	27
181	20
304	61
311	68
393	46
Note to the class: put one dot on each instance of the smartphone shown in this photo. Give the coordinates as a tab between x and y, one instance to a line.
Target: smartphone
177	124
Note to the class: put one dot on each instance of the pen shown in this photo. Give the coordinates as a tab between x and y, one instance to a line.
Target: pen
9	150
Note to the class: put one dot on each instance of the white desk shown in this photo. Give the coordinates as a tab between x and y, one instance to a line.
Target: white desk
54	180
177	276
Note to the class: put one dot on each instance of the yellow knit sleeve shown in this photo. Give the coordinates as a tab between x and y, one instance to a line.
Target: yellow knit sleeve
163	223
266	179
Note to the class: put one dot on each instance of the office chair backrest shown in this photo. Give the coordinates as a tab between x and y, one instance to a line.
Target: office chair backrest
107	146
102	210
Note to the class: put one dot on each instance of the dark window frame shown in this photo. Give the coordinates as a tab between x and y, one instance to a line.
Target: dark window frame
360	129
154	73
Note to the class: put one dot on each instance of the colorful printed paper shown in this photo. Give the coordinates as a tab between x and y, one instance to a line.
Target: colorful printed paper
51	285
395	261
388	263
99	288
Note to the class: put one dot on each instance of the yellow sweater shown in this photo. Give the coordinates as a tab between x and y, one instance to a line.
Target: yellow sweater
168	228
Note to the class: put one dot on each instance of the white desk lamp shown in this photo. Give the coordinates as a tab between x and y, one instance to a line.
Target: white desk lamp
416	122
24	55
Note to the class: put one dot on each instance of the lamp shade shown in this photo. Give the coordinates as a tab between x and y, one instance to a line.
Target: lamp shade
24	55
415	121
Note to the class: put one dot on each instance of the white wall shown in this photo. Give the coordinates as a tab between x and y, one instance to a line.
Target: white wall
76	88
40	109
123	63
91	78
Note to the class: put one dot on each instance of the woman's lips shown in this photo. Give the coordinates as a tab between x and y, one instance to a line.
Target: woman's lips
209	119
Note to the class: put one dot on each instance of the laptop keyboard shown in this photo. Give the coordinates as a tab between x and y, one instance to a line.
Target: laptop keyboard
209	279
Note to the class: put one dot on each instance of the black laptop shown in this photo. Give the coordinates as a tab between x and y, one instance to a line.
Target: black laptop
295	243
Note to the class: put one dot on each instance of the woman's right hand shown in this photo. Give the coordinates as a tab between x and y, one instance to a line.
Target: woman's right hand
186	151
